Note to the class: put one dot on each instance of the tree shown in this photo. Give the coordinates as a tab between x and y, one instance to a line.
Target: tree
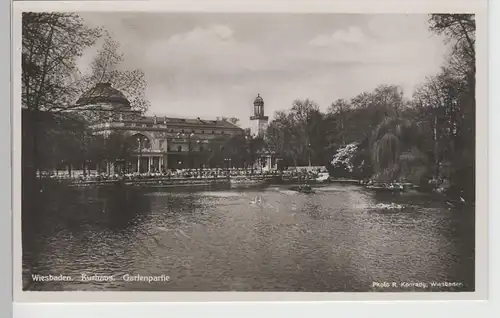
297	135
394	143
459	110
353	120
105	68
302	113
241	149
52	82
437	103
337	116
110	148
51	43
342	162
460	31
59	140
232	120
280	137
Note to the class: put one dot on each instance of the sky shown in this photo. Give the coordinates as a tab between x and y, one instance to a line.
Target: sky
211	65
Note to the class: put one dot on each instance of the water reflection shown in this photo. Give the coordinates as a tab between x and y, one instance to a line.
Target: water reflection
217	239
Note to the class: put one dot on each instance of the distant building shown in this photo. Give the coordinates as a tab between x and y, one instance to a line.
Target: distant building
157	143
161	142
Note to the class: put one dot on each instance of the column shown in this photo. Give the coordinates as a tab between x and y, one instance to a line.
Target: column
138	164
150	162
156	163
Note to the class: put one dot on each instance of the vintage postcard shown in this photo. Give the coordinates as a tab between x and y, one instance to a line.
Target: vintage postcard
312	153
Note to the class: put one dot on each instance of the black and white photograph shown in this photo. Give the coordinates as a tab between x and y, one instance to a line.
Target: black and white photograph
248	151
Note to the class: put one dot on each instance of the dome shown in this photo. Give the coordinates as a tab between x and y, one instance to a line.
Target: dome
258	101
103	93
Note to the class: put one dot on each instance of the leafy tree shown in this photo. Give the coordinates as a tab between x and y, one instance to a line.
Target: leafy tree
458	84
52	83
337	116
109	148
394	144
51	43
342	162
437	103
297	136
280	137
224	148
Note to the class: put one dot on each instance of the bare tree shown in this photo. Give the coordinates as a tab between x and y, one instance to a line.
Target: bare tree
232	120
460	30
106	68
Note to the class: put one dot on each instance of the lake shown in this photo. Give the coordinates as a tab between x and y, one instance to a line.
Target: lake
341	238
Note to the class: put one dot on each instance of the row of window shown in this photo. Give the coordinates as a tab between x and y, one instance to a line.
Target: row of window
213	132
179	149
201	149
161	144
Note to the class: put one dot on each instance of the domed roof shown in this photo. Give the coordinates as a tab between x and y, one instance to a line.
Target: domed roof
258	101
103	93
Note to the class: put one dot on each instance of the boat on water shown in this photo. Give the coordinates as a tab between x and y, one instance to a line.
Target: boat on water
393	187
323	177
244	181
305	188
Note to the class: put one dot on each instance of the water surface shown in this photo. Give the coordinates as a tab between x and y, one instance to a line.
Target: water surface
342	238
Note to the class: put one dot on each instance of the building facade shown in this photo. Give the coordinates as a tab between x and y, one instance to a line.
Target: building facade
162	142
171	143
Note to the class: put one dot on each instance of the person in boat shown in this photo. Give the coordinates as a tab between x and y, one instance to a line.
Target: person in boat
395	186
306	187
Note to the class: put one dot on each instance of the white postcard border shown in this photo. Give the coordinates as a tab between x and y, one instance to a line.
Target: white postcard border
378	6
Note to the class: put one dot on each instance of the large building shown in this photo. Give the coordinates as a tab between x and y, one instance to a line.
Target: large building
165	142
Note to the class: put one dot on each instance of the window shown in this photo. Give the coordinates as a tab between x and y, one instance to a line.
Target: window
201	148
179	148
168	148
182	131
161	143
222	132
132	124
213	132
192	131
171	130
202	131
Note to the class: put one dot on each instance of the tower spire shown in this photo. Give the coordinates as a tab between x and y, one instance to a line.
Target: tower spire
259	120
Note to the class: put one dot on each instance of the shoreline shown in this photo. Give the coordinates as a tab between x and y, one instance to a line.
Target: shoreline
165	182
